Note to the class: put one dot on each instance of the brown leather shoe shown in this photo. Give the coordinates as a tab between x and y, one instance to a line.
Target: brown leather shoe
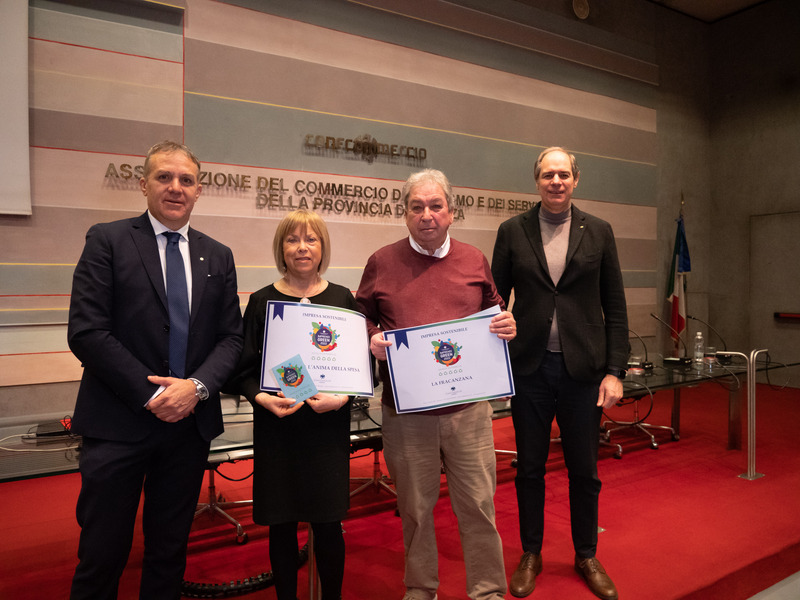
524	578
596	578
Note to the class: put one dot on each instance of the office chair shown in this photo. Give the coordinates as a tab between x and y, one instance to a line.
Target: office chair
378	480
217	507
238	419
638	422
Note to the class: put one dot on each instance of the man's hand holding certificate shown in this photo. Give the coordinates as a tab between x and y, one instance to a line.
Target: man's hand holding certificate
454	362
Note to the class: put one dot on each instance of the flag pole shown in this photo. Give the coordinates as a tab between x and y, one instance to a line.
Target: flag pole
684	298
676	283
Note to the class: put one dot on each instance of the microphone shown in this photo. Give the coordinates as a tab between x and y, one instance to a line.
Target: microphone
724	345
724	359
646	365
684	360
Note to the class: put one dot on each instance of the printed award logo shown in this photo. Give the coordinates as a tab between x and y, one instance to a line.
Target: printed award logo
323	337
446	353
291	375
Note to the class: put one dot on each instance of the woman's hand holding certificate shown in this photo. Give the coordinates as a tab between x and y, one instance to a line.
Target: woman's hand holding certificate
279	405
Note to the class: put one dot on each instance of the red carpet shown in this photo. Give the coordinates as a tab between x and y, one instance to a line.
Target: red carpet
679	522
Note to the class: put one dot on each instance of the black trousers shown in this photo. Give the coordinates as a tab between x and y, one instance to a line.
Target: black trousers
168	466
328	550
552	393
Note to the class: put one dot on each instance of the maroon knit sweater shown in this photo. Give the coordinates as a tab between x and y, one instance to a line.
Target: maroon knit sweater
402	288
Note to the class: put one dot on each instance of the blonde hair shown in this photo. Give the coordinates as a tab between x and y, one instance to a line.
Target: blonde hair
308	220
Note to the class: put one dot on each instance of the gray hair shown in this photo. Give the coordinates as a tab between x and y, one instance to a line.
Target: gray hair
167	147
428	176
537	168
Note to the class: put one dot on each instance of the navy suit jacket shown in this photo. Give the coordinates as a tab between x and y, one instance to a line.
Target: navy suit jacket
590	296
119	328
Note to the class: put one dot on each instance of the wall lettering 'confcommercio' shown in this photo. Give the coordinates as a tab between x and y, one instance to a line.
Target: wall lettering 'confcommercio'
365	146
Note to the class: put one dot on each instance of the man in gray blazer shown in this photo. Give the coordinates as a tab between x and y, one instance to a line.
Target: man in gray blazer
568	359
148	404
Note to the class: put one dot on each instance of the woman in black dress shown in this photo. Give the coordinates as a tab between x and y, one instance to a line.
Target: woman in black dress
302	452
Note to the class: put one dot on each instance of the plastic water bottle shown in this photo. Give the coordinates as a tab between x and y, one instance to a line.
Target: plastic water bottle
699	349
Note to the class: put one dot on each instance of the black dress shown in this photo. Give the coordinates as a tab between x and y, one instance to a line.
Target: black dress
301	465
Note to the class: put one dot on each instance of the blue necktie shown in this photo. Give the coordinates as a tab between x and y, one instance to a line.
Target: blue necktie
178	301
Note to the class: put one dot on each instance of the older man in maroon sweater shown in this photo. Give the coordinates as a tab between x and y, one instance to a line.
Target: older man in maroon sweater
426	278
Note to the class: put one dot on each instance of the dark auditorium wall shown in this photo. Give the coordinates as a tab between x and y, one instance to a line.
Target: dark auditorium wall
754	127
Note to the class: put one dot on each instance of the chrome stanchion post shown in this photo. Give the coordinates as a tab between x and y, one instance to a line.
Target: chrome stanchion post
751	410
751	418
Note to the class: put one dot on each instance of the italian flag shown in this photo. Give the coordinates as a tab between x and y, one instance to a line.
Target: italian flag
676	284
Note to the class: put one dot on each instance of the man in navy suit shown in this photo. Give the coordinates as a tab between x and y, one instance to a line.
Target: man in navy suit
146	416
568	359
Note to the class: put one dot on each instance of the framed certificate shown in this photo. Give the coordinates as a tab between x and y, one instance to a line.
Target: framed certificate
331	341
448	363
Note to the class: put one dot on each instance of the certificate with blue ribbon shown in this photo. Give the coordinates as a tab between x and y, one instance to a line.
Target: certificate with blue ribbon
331	341
444	364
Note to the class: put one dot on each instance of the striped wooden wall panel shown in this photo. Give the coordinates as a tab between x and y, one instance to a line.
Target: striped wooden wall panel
112	27
483	93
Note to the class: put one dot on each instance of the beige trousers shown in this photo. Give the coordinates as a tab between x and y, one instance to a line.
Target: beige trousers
416	446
